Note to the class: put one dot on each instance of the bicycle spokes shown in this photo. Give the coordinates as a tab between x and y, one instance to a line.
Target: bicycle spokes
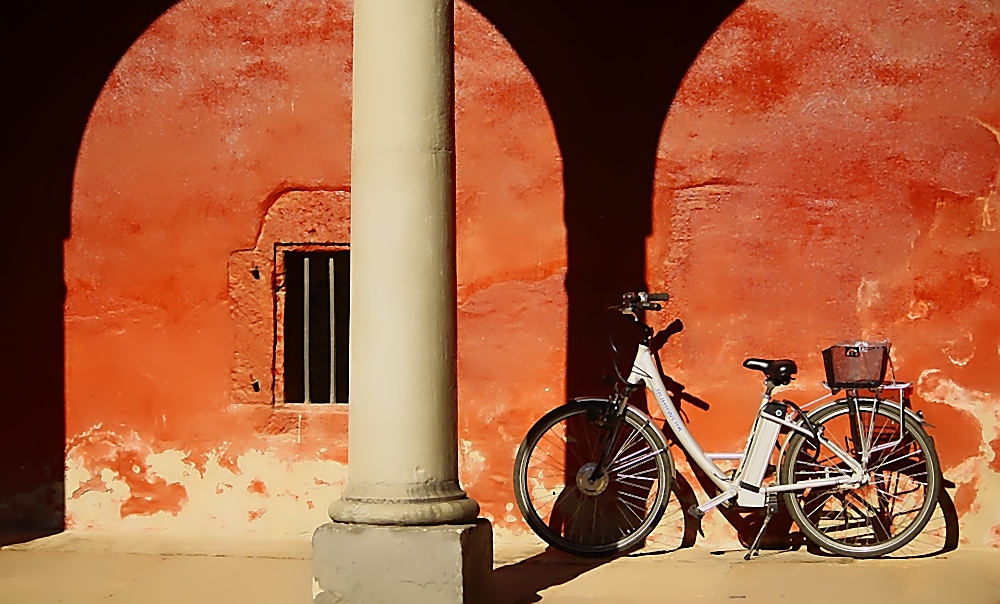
872	515
586	508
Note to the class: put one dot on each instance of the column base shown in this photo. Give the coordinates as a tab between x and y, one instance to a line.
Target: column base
370	564
458	509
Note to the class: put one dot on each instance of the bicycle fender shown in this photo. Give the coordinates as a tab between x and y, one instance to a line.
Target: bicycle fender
909	412
590	399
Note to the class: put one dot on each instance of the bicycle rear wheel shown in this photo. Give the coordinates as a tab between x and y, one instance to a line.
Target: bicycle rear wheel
567	510
878	517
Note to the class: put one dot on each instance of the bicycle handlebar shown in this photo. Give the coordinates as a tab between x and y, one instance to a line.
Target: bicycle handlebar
636	301
633	302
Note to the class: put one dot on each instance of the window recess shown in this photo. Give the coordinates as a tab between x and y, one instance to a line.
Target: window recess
313	320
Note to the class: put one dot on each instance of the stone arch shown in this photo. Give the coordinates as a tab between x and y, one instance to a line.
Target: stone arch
820	177
217	106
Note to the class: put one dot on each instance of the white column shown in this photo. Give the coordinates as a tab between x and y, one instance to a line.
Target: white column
402	464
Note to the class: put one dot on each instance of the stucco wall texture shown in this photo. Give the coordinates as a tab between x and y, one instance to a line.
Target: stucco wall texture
825	172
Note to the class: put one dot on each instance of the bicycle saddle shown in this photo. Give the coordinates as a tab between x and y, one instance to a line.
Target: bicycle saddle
780	372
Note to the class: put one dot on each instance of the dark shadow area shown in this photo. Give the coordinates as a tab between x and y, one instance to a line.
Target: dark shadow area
520	582
678	392
608	73
941	535
777	536
945	519
57	56
747	521
13	535
683	498
323	266
686	498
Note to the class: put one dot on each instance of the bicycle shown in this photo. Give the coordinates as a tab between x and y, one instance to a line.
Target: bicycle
858	475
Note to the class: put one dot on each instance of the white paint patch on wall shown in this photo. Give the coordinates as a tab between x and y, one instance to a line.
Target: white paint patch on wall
960	350
265	494
977	525
868	294
471	463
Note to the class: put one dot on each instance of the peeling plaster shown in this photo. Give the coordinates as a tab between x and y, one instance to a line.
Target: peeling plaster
975	476
960	350
147	335
220	494
919	309
868	294
873	216
471	462
994	195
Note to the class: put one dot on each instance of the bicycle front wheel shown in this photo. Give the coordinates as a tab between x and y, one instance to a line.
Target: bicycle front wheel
564	507
898	498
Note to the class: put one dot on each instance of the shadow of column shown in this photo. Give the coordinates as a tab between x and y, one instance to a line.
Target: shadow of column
57	57
522	581
608	73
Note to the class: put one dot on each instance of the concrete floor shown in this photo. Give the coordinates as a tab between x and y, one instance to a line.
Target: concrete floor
153	569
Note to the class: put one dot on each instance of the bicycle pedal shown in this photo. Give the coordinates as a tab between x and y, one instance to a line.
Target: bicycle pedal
695	512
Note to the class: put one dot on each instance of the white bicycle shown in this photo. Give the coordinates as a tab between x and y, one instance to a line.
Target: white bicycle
858	475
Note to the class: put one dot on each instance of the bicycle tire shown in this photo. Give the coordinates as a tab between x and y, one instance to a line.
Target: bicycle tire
912	464
608	519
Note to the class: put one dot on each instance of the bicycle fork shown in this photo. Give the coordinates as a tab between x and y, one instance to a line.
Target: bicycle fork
619	406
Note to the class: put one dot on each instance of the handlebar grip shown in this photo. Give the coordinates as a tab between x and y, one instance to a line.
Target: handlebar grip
659	297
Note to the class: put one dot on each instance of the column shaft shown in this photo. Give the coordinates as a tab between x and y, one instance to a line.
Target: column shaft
402	428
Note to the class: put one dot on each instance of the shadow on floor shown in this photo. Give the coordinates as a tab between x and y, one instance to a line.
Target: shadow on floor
15	536
940	536
520	582
58	55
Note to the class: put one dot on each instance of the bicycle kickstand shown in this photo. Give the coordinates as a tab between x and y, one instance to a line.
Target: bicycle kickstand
772	509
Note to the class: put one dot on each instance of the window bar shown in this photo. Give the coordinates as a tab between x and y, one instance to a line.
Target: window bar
305	328
333	340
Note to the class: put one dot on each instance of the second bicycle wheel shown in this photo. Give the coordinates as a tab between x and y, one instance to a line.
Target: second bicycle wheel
896	501
583	517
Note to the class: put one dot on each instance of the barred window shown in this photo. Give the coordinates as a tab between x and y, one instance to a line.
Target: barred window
314	325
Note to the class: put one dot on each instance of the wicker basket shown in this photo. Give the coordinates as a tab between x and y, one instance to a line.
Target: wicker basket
852	365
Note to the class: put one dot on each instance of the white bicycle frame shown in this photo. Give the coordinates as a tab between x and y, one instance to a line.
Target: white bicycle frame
746	484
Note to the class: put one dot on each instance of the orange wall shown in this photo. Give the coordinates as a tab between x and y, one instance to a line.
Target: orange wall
820	176
828	172
220	111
